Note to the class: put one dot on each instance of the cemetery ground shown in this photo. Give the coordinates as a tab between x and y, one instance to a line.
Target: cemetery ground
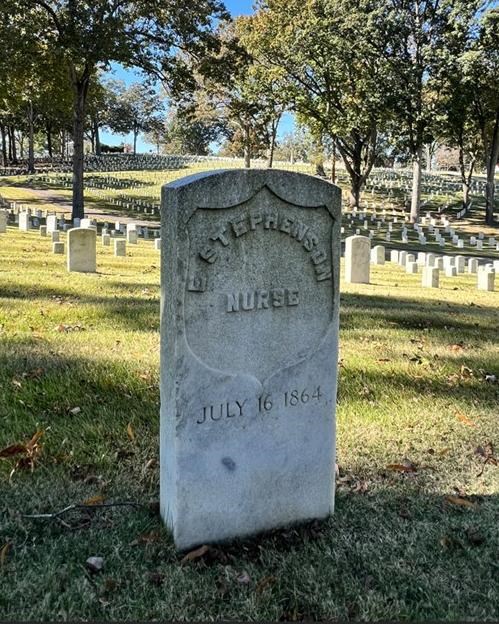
414	535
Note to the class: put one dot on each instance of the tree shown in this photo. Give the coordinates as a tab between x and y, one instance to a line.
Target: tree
183	133
330	57
235	90
481	70
421	33
136	108
86	36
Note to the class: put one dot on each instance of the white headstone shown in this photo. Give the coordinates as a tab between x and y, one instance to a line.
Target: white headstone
81	256
3	221
378	254
249	334
430	277
411	267
120	247
472	265
485	280
357	256
24	222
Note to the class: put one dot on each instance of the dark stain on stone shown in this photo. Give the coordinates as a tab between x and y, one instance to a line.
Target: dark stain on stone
229	463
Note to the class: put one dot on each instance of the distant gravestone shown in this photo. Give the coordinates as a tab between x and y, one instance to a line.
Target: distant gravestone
58	248
132	237
357	257
3	221
55	236
24	221
120	247
249	338
81	250
472	265
106	239
378	254
485	279
431	277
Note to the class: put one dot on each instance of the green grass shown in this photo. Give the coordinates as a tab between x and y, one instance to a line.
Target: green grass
412	387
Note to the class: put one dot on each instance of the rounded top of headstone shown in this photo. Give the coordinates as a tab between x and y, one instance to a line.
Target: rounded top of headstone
225	188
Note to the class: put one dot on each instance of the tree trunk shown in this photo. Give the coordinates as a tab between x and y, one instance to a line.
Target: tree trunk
247	147
9	136
63	144
355	190
80	89
416	184
13	145
4	145
97	138
31	140
492	158
135	133
333	163
49	140
270	162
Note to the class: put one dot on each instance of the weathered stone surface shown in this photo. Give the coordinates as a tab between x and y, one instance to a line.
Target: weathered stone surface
249	337
411	267
58	248
43	230
54	236
51	224
378	254
472	265
132	236
120	247
486	279
81	255
357	256
3	221
24	221
106	240
431	277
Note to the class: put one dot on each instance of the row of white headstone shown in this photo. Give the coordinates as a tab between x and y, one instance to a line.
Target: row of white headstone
359	256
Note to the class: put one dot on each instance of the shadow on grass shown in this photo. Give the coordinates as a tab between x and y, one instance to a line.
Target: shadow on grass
360	311
394	552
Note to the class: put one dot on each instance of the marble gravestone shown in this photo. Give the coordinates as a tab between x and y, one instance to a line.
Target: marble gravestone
249	341
81	254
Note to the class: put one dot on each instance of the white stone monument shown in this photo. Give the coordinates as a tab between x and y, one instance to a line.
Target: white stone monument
81	255
357	256
249	337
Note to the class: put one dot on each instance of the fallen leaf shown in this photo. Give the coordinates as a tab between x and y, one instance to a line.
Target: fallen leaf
195	554
465	420
460	502
12	450
405	466
457	348
75	410
95	500
130	432
3	553
264	583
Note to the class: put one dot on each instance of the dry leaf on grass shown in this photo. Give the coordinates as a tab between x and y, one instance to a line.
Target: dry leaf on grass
198	553
95	500
465	420
130	432
4	551
459	501
12	450
405	467
265	583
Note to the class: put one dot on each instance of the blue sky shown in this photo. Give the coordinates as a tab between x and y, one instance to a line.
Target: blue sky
236	7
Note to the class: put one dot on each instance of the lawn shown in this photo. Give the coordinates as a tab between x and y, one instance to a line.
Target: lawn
414	535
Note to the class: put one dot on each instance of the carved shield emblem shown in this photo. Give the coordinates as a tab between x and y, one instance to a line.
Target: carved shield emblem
258	291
